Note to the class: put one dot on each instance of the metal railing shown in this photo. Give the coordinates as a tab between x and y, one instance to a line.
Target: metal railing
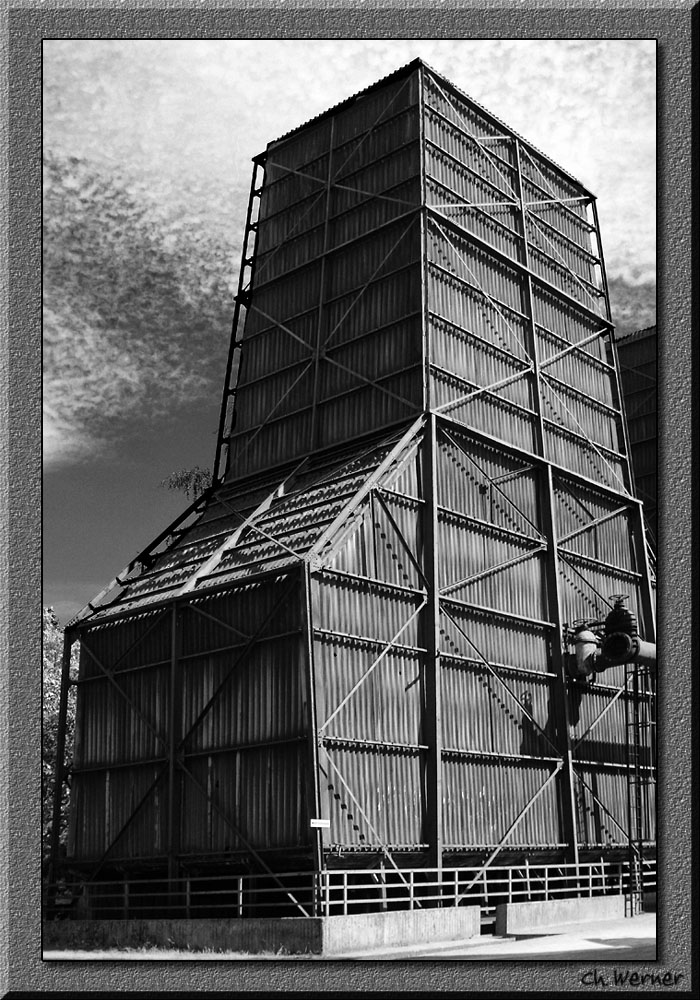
338	892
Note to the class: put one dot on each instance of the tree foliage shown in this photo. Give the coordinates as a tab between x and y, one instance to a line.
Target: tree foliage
192	482
51	678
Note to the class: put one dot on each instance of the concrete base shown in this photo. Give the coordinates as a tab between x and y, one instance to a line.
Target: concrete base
286	935
525	918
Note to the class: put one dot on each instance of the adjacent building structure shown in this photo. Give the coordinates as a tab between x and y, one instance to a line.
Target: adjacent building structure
637	359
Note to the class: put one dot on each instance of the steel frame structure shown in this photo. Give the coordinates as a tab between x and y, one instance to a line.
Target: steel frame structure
433	611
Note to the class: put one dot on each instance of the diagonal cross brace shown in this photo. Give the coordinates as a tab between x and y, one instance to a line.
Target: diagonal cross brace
135	709
518	819
523	557
500	680
384	848
387	648
229	822
515	507
483	291
237	662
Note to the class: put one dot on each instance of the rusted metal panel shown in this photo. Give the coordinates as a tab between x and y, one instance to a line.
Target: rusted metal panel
489	567
548	177
495	280
578	368
111	732
466	353
456	136
385	544
586	590
142	639
594	525
574	451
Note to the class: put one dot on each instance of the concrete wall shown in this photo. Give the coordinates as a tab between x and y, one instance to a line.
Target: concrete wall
523	918
294	935
290	935
401	927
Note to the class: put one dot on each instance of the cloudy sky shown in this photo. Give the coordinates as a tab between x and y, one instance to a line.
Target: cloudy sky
147	148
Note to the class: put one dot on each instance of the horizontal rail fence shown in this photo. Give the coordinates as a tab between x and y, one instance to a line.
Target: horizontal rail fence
338	892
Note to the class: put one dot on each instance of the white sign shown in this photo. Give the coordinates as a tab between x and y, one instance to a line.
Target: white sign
320	824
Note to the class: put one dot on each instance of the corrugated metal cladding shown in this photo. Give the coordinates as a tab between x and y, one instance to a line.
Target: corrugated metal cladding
426	486
239	690
637	356
337	262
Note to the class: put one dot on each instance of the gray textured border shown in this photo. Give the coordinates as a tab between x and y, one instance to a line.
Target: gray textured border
27	23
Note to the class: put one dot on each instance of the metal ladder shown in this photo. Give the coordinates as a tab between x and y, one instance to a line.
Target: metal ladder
245	278
640	726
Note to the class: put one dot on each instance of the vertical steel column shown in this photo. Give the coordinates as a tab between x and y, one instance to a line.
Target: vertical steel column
313	790
321	290
423	194
433	679
174	726
68	639
431	618
547	501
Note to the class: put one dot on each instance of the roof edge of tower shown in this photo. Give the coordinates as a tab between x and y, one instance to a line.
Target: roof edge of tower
397	74
647	331
501	124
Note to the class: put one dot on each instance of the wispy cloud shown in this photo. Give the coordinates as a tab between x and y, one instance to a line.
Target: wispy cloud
136	309
149	147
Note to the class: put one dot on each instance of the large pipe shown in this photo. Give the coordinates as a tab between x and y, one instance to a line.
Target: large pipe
622	648
587	652
619	647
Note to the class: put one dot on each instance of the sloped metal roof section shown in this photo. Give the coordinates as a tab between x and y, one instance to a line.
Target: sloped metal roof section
254	529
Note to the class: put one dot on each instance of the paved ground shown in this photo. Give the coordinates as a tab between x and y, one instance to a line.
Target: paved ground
623	940
627	939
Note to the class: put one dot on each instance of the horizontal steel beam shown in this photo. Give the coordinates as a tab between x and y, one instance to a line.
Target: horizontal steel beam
202	593
498	613
520	268
374	585
598	563
498	444
399	649
331	251
350	743
214	651
498	756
